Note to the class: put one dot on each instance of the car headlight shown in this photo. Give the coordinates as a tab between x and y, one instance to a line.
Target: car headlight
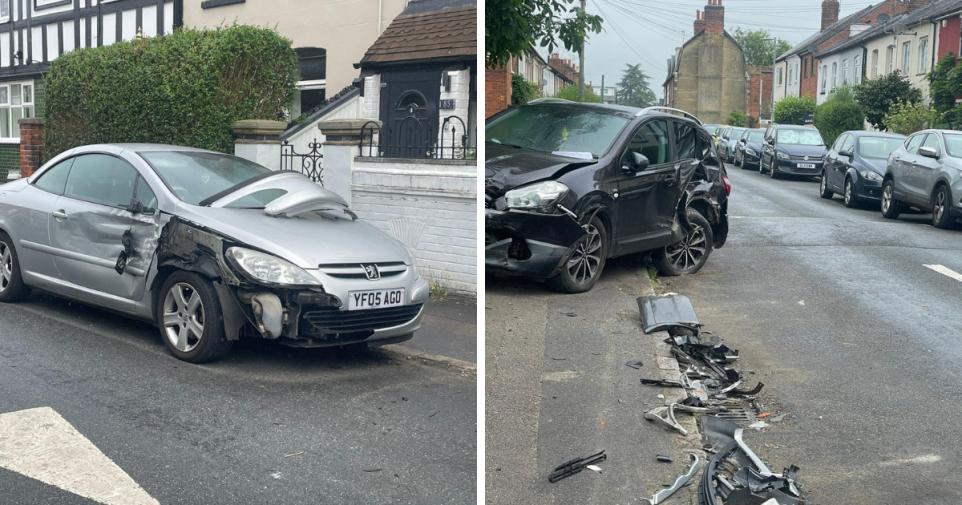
750	151
541	196
270	269
869	175
782	156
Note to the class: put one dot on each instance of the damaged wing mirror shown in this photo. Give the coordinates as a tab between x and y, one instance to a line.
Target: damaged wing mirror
636	162
137	207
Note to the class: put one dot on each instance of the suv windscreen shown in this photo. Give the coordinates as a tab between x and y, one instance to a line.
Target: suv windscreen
878	147
557	129
953	144
800	137
196	176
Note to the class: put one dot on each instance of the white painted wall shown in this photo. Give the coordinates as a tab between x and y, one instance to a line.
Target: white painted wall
917	68
459	92
849	71
791	68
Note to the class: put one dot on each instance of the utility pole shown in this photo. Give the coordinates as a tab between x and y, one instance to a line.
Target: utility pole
602	88
581	61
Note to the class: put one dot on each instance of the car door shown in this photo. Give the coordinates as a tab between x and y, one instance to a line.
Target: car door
925	171
843	160
831	159
768	147
33	232
640	201
100	244
902	164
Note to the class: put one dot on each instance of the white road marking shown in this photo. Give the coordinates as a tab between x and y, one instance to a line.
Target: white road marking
922	459
946	271
42	445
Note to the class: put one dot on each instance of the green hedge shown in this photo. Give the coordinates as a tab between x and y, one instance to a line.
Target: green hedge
185	88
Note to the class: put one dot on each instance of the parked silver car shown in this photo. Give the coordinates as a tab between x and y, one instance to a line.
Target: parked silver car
925	172
210	247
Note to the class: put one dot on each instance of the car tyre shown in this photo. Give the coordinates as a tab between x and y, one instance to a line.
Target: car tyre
891	208
941	216
773	170
823	190
190	319
691	253
12	288
851	200
582	269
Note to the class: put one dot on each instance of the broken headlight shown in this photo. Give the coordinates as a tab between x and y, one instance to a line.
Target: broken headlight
541	196
270	269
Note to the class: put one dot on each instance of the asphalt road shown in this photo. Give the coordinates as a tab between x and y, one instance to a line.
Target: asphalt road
266	425
853	336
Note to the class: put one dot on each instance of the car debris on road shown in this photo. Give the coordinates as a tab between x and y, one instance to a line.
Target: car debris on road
576	465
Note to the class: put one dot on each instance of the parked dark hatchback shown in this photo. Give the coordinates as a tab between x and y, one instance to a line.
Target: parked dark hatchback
792	150
748	150
855	165
570	185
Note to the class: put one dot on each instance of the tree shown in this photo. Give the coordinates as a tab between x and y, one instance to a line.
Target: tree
737	118
570	92
759	47
512	26
794	109
906	118
877	96
522	91
945	83
840	113
633	89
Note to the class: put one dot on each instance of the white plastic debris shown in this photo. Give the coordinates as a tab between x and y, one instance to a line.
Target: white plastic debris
594	468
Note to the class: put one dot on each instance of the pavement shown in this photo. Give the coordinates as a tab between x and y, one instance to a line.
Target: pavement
856	339
449	330
268	424
557	387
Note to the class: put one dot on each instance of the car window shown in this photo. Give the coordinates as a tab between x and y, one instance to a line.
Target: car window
755	135
849	144
953	144
195	176
651	140
145	195
914	142
557	129
54	179
837	146
684	140
103	179
878	147
932	141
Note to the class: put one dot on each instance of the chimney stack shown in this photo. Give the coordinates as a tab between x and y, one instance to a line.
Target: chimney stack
714	17
830	10
699	22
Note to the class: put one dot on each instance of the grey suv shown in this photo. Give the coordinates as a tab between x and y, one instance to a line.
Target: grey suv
926	173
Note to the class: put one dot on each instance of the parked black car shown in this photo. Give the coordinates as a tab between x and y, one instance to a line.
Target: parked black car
792	150
856	164
570	185
726	144
748	150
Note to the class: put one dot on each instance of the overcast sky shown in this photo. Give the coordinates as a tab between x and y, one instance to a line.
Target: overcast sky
648	31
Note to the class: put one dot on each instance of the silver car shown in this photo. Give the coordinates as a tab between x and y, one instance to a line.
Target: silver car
210	247
925	172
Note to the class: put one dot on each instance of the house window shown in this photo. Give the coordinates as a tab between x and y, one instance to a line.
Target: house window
845	72
312	86
857	69
779	78
824	77
923	55
875	63
16	101
906	55
834	74
889	59
4	11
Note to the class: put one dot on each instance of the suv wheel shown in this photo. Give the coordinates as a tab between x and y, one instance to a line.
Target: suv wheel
941	217
691	253
12	288
823	190
583	268
190	319
891	208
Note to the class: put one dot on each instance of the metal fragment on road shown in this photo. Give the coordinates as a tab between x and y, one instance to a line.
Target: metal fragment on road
667	313
680	482
666	417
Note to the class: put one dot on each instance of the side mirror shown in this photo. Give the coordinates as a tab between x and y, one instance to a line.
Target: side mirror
636	163
929	152
138	207
845	152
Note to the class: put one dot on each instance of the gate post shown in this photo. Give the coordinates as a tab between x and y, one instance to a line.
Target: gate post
342	141
259	140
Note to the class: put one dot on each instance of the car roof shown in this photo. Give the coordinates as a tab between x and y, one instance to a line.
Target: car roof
634	111
864	133
134	147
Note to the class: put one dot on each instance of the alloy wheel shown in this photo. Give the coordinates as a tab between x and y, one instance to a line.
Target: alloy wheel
939	208
886	197
6	266
824	184
689	251
848	192
585	260
183	317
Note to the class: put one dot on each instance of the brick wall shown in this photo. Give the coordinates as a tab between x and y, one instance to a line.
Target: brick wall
759	92
808	84
949	37
9	160
497	90
31	145
430	206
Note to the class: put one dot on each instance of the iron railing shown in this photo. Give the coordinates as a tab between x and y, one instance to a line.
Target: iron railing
418	139
310	163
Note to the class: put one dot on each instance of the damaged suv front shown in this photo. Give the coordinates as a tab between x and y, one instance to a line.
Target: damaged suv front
568	186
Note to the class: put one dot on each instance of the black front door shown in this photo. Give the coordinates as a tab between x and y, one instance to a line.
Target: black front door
409	112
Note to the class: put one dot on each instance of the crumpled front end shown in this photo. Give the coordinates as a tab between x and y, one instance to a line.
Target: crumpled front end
529	244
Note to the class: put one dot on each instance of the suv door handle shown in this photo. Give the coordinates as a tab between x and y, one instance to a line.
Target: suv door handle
60	215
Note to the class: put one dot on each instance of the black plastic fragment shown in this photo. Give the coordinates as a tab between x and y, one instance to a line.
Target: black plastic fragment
569	468
635	364
664	458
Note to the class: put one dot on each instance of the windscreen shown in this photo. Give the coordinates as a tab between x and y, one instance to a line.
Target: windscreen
801	137
196	176
558	129
878	147
756	135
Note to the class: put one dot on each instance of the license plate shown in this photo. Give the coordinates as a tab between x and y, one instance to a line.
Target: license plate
375	299
806	165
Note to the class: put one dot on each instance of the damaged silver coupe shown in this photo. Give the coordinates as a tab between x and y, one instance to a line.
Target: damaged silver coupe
210	247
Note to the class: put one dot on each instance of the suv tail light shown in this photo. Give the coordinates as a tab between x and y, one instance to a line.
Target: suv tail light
728	185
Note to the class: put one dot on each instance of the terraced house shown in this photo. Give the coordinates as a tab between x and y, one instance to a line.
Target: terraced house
34	33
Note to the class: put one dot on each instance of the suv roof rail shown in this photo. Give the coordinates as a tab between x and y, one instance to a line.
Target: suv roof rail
550	100
670	111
